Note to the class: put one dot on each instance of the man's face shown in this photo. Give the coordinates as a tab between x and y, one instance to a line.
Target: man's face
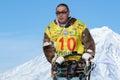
62	14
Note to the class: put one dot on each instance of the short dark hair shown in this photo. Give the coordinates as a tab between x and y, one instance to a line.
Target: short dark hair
62	4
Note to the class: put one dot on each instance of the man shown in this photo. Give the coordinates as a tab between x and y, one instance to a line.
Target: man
66	35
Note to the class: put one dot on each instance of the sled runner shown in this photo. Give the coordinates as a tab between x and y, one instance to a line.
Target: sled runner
72	70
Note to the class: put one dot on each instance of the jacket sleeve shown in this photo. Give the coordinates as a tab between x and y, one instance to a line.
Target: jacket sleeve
48	48
88	42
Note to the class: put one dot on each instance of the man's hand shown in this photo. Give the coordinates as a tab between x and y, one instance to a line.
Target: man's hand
58	59
86	56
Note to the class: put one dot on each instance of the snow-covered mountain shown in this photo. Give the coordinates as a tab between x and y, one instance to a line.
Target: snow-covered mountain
107	60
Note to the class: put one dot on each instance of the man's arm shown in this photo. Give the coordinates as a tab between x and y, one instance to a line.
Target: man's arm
48	48
88	42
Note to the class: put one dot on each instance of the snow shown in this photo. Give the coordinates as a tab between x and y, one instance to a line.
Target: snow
107	56
107	60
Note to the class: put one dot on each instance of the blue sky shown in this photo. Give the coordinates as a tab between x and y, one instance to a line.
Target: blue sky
22	24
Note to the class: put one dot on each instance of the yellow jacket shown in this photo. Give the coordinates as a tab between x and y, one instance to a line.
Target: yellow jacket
64	41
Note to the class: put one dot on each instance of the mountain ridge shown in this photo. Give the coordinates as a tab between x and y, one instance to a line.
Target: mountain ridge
107	60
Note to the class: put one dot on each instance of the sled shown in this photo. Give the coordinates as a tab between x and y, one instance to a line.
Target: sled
72	70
